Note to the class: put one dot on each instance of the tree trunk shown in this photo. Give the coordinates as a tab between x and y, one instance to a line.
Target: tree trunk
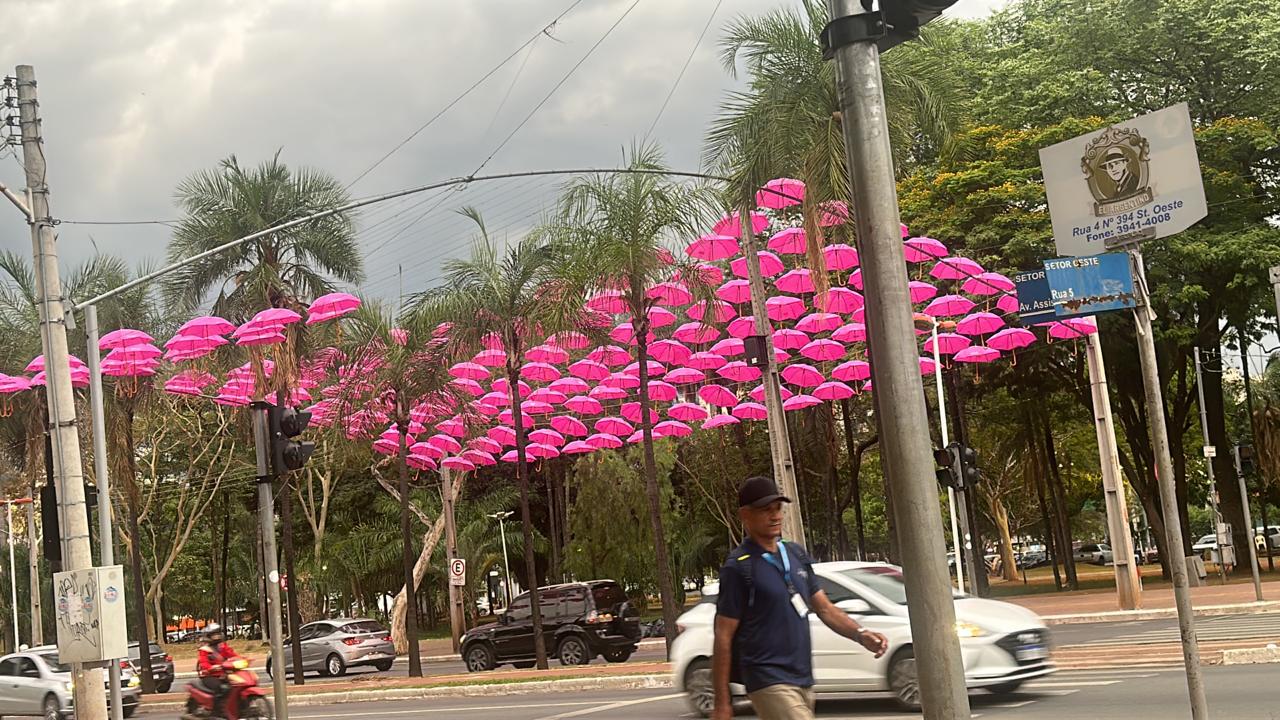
406	553
291	586
1000	516
1230	504
260	580
552	513
135	557
33	570
1037	471
662	558
1058	492
833	461
526	522
226	546
854	492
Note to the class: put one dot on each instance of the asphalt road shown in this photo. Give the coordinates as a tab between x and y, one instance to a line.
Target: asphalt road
1217	627
1240	692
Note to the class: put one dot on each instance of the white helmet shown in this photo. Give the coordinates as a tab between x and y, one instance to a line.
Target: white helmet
213	629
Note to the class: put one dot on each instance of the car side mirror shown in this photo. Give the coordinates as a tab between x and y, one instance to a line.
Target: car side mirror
855	606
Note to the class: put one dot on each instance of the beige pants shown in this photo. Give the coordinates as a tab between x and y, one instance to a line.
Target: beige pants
783	702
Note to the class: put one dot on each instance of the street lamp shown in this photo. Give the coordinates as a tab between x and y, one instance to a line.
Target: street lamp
506	565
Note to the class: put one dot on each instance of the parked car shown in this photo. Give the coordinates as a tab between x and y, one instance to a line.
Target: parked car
331	647
36	684
1095	553
1003	645
161	665
580	621
1271	534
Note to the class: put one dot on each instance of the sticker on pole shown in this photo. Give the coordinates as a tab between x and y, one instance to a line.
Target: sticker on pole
1136	180
458	572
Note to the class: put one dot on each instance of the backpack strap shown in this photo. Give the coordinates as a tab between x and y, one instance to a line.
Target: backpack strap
746	569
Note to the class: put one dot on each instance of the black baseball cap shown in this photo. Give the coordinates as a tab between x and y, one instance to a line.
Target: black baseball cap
758	492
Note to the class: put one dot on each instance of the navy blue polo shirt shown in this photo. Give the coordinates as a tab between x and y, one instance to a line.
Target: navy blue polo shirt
773	643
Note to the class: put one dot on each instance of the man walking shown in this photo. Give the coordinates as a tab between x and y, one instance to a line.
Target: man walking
767	590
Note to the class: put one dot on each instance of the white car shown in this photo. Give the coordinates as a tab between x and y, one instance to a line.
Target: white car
35	683
1003	645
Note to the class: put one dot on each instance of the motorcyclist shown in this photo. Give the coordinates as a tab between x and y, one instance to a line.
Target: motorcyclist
213	653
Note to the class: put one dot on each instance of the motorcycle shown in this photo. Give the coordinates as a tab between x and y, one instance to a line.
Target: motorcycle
246	700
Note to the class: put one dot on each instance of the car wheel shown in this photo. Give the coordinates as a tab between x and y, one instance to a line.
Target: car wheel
524	665
162	689
51	709
129	710
335	666
383	665
617	655
699	691
480	658
1005	689
573	651
903	680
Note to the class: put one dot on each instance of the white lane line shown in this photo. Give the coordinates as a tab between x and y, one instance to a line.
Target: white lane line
1015	705
611	706
473	708
1116	674
1076	683
1055	693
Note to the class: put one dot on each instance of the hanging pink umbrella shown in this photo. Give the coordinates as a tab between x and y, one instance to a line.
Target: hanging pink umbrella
330	306
833	390
684	376
472	387
275	316
852	371
928	366
838	300
770	265
507	418
706	274
1011	339
823	350
987	283
445	442
784	307
921	291
672	428
547	354
721	311
1073	328
705	361
584	405
750	411
713	247
547	437
956	268
731	224
569	386
501	385
717	395
134	353
614	426
604	441
923	249
589	370
716	421
840	256
490	358
122	338
609	301
458	463
735	291
757	394
742	327
789	339
206	326
949	306
795	281
37	365
176	385
688	412
569	340
193	345
569	425
696	333
262	337
979	323
661	391
541	451
802	375
495	399
948	343
479	457
610	355
1007	303
790	241
454	427
851	333
487	444
541	372
819	322
510	456
659	317
577	447
502	434
631	411
729	347
977	354
548	396
670	293
625	334
780	193
855	279
670	351
739	371
470	371
800	402
833	212
606	392
621	380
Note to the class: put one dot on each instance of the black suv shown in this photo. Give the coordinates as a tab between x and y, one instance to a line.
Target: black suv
579	621
161	665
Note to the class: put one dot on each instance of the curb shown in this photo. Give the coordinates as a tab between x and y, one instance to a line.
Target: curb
625	682
1252	656
1252	608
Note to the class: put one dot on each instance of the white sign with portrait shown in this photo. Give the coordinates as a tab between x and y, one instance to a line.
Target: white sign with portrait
1133	181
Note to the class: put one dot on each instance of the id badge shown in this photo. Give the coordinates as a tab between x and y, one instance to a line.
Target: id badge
798	603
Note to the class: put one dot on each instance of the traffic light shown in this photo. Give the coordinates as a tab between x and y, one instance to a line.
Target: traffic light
891	24
1244	460
959	466
945	473
286	423
968	460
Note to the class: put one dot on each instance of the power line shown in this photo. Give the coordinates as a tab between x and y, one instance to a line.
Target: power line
680	76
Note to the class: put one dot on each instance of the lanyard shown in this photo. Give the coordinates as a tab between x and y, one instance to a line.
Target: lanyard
785	567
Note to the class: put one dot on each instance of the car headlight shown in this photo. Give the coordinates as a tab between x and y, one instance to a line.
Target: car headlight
969	630
135	681
71	687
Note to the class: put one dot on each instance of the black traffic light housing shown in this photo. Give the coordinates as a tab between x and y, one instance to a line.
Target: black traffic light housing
959	466
969	475
893	23
1244	460
284	424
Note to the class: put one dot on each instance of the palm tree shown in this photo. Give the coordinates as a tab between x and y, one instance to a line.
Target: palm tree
515	295
614	227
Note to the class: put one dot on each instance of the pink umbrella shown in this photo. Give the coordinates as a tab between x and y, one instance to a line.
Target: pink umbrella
833	390
604	441
987	283
1011	339
275	316
570	386
851	333
731	224
800	402
123	338
713	247
707	274
750	411
716	421
133	353
577	447
705	361
502	434
192	344
330	306
923	249
445	442
739	372
625	333
955	268
457	463
569	425
206	326
721	311
541	372
614	426
979	323
672	428
584	405
790	241
718	395
823	350
609	301
605	392
471	386
735	291
548	437
470	371
948	343
779	193
610	355
487	444
852	371
819	322
758	393
621	380
269	336
1073	328
479	457
496	399
510	456
659	317
802	375
729	347
589	370
855	279
789	339
795	281
175	385
1007	303
948	306
770	265
548	396
454	427
670	351
381	445
670	293
834	212
688	412
661	391
541	450
547	354
501	385
742	327
928	366
492	341
696	333
838	300
840	256
631	411
490	358
784	307
569	340
977	354
507	418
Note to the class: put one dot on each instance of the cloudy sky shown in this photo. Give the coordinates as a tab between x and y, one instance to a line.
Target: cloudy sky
137	94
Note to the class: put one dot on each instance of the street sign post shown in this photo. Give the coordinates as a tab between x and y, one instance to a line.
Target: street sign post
1090	285
458	572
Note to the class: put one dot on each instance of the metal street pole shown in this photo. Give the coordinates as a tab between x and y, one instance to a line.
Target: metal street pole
784	470
1208	463
1248	523
1168	492
946	440
33	574
451	551
267	521
13	575
506	564
908	460
90	701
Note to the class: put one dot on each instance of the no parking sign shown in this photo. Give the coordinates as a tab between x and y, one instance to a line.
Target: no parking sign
458	572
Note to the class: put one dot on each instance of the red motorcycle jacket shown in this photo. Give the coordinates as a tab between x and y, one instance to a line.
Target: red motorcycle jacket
212	657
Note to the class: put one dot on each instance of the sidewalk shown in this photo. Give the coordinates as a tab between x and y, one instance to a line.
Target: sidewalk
1101	605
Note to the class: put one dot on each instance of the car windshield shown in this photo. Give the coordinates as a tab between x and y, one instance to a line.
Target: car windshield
883	579
51	659
608	597
364	626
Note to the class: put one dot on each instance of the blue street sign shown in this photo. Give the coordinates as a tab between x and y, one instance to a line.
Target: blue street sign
1090	285
1035	304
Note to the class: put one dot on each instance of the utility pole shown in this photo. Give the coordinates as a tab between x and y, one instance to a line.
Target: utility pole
1248	521
784	470
968	499
906	446
1253	441
90	701
33	573
267	524
451	551
506	565
1168	492
1128	582
1218	535
957	541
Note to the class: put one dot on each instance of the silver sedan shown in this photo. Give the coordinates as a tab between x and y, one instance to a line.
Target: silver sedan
330	647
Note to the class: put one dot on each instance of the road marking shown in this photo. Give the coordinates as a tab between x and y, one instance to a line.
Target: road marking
612	706
474	708
1015	705
1077	683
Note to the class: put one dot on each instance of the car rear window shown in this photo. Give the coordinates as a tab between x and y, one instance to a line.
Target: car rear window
51	660
608	597
363	626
